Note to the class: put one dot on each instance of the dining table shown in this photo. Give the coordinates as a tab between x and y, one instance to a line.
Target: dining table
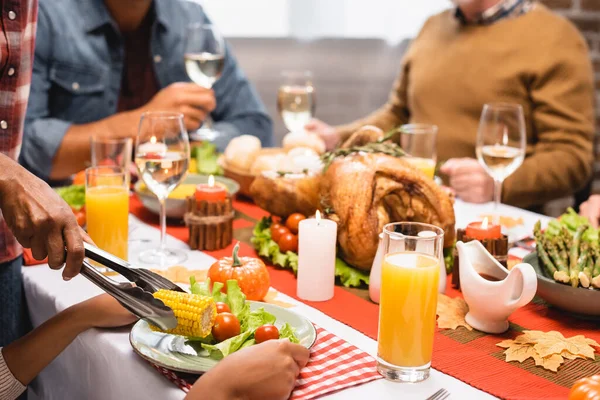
101	364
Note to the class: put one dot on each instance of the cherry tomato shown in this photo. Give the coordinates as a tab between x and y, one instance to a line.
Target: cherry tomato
288	242
275	226
279	233
222	307
292	222
226	326
266	332
80	216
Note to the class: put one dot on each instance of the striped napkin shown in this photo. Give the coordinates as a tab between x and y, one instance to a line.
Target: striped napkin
334	365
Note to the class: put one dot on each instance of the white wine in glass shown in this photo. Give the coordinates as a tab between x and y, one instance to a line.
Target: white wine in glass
501	141
296	99
204	57
204	69
162	155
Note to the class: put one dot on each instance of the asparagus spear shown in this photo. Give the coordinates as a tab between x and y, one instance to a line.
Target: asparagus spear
574	267
567	237
586	264
541	251
562	273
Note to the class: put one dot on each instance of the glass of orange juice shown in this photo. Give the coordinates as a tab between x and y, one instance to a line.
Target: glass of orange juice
419	141
407	308
107	209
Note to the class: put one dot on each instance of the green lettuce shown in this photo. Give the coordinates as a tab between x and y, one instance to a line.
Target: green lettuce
287	332
226	347
250	321
73	195
268	248
206	156
571	220
258	318
236	300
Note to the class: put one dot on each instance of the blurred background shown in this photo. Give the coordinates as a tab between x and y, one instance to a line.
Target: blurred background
354	51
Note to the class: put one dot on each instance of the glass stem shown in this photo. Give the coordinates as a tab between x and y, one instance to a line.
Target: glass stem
163	223
207	124
497	194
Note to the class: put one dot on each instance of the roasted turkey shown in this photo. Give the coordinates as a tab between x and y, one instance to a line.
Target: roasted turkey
362	191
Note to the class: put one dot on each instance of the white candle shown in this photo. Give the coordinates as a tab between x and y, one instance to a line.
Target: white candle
152	147
317	239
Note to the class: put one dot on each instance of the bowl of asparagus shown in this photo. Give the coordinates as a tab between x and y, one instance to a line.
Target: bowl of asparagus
567	262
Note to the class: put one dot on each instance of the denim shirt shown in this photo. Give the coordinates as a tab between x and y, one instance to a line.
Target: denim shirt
77	71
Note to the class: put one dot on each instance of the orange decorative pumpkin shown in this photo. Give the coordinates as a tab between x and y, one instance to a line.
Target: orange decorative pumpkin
586	389
251	274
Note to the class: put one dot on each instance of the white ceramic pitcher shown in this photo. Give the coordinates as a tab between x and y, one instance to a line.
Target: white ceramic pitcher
495	295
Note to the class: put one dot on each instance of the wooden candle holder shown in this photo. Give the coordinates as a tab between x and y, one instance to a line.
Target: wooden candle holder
210	224
497	248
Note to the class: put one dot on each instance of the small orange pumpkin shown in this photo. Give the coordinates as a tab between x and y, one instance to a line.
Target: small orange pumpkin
586	389
251	274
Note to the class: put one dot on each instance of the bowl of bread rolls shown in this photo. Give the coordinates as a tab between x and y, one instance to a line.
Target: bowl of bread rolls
245	158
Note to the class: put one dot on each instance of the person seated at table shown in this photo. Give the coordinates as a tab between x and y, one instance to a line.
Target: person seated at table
100	63
483	51
263	371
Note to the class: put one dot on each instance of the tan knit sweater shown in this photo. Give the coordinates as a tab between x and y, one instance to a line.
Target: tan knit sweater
538	60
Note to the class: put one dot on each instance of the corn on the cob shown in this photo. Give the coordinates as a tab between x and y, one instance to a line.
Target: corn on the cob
195	314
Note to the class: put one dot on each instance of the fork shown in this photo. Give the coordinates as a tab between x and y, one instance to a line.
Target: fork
441	394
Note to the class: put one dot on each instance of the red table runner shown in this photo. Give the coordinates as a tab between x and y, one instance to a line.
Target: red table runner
469	356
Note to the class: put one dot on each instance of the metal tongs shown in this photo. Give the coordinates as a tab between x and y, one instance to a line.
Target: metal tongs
136	296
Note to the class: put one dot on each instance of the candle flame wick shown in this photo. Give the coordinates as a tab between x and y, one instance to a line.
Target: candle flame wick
211	181
318	217
153	139
484	223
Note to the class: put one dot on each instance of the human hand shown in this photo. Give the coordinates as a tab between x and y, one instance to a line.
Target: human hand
591	210
41	220
264	371
469	180
193	101
102	311
326	132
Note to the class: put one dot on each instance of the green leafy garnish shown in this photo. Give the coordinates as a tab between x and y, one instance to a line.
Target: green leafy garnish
250	321
73	195
206	157
287	332
571	220
268	248
226	347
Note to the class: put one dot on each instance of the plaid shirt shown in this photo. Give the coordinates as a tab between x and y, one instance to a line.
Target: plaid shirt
17	42
504	9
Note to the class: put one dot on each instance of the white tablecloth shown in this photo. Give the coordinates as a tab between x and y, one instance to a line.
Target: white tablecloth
101	365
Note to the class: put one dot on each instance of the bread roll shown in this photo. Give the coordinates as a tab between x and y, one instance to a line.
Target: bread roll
241	152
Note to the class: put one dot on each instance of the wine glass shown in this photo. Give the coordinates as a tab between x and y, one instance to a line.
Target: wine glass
162	155
296	99
501	142
204	62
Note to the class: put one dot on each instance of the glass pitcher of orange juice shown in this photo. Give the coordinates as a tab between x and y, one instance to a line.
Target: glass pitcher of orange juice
107	208
408	302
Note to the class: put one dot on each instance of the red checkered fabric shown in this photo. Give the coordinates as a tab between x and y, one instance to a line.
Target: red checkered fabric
334	365
17	45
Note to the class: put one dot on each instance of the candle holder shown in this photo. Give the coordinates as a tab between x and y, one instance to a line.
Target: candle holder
496	247
210	224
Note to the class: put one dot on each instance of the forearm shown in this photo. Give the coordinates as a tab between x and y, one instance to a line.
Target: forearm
213	385
74	151
29	355
541	179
